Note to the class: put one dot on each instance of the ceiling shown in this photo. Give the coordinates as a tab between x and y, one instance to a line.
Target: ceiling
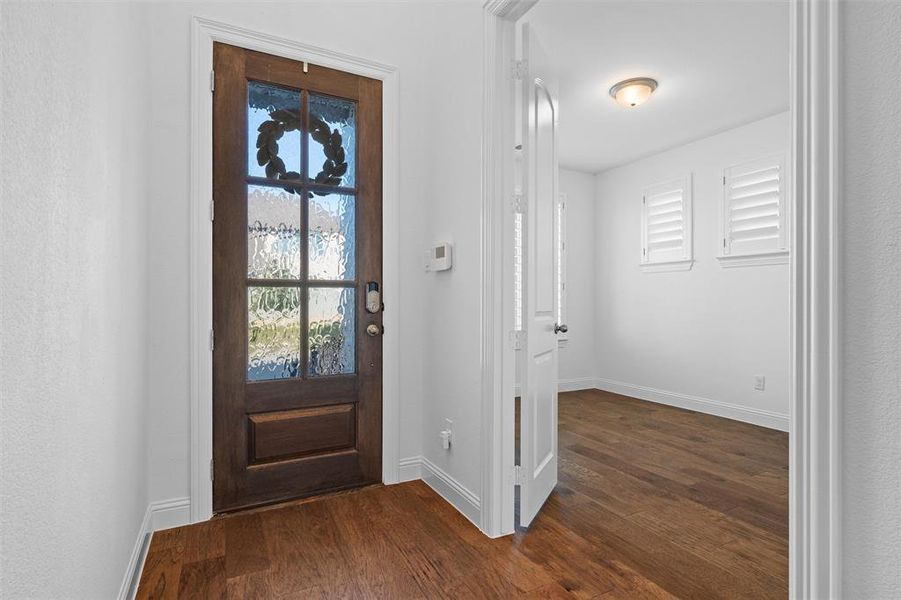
719	65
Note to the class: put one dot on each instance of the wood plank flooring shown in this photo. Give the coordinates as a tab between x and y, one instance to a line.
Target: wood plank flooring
653	502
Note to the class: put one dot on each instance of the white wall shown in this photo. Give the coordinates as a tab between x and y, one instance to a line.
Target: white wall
439	198
74	282
872	287
703	333
447	48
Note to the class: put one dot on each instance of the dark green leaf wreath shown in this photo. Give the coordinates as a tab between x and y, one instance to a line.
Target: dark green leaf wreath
282	120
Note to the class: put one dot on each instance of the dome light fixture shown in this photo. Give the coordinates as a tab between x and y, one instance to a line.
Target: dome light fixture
633	92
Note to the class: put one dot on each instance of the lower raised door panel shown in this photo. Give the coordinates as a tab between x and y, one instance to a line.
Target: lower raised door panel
303	432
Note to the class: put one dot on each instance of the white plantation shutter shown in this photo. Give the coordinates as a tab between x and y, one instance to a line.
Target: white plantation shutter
666	223
754	215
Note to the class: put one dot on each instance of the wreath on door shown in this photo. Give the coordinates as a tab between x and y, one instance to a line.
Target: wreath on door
282	120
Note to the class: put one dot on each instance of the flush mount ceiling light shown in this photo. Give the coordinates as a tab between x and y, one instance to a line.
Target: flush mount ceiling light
632	92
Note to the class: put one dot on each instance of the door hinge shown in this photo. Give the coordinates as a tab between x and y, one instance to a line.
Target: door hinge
519	207
517	339
212	81
644	251
212	210
724	180
519	69
517	475
724	243
212	470
212	340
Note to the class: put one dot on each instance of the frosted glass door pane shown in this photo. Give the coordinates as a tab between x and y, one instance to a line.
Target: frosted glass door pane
273	333
273	131
332	330
273	233
332	142
332	242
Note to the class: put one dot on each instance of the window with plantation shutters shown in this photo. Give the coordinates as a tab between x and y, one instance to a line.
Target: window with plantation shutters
666	243
754	223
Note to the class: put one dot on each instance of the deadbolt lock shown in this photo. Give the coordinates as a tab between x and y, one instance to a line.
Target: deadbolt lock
373	298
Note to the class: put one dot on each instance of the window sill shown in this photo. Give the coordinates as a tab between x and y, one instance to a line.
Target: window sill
662	267
755	260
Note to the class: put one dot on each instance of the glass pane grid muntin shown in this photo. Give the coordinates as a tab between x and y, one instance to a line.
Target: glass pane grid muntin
303	290
305	179
300	185
305	279
305	187
304	285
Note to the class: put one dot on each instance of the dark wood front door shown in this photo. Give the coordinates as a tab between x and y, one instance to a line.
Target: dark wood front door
297	244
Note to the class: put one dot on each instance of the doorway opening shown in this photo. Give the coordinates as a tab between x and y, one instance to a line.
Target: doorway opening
665	266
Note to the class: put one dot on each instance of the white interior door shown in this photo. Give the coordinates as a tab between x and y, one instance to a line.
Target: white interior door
538	433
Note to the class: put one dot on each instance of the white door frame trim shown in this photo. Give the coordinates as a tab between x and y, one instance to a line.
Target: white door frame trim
815	478
815	439
497	369
204	32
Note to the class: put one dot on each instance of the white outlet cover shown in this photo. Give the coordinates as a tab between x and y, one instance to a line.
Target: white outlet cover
759	383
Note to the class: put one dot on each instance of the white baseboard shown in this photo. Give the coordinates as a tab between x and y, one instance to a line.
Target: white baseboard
163	514
568	385
453	491
456	494
755	416
167	514
409	469
136	561
574	385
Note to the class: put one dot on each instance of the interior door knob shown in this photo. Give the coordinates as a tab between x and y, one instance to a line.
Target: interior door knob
560	328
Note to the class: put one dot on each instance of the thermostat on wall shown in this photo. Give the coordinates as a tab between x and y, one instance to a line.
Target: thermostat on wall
441	257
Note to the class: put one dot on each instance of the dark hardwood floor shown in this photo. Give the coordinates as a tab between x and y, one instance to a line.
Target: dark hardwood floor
653	502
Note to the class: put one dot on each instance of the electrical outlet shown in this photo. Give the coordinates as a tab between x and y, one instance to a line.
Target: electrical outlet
759	383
